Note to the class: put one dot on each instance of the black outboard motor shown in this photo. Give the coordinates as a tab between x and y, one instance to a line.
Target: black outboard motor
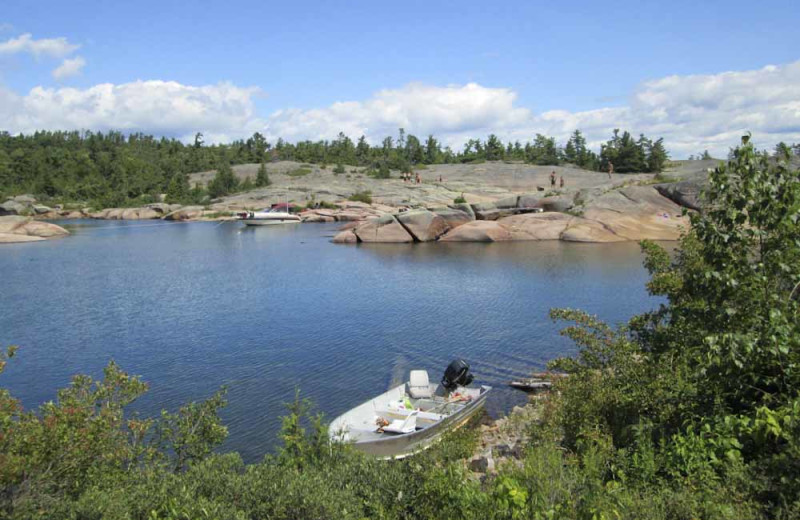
457	374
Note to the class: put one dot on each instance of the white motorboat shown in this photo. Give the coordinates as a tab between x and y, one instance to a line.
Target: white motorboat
278	214
412	416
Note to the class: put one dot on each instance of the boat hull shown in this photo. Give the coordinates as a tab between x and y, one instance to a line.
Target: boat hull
401	446
269	222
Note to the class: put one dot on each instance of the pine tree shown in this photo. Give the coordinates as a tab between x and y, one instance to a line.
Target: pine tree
262	179
178	189
224	182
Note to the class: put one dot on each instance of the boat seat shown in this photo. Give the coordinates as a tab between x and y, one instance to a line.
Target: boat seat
407	425
418	384
427	416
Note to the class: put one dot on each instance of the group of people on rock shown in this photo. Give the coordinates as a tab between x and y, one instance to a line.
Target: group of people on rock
553	180
410	177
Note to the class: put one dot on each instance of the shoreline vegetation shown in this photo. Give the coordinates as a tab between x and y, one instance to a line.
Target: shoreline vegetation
688	411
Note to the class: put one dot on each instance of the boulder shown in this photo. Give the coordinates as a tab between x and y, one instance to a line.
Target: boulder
40	209
383	229
345	237
11	222
466	208
483	206
114	213
508	202
684	193
454	217
477	231
12	207
186	213
557	203
148	213
423	225
23	229
528	200
350	225
42	229
25	199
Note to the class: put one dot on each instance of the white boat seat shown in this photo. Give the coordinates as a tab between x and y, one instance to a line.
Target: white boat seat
418	384
407	425
427	416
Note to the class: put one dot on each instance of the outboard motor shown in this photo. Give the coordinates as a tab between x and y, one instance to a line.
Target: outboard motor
457	374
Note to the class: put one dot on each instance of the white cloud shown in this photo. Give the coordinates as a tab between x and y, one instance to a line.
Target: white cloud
161	107
69	67
50	47
416	107
692	113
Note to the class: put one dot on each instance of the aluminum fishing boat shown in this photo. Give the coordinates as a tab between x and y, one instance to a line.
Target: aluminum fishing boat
412	416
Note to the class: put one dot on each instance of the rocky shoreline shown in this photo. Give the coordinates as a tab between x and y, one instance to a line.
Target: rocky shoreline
628	214
502	202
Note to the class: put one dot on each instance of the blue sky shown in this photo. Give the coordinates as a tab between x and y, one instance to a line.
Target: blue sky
575	57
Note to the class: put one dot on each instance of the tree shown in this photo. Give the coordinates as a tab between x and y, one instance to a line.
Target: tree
432	150
494	148
178	189
224	182
657	155
262	179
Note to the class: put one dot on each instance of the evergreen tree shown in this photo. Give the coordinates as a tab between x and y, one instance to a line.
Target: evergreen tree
262	179
494	148
178	189
432	151
657	156
224	182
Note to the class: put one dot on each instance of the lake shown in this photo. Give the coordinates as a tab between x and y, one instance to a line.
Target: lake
193	306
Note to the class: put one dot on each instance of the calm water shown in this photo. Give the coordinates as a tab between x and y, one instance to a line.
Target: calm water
191	307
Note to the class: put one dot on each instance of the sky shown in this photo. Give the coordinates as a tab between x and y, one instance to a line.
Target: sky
699	74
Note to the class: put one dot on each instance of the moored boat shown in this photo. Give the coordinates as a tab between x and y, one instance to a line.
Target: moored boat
411	416
277	214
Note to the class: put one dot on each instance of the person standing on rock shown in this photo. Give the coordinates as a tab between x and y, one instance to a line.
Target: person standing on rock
610	169
561	182
553	179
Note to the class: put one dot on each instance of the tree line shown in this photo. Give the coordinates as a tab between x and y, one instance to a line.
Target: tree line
113	169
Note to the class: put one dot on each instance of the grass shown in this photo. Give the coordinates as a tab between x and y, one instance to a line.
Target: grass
298	172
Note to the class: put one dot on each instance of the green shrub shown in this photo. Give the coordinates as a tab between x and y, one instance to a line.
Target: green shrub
460	199
339	169
361	196
298	172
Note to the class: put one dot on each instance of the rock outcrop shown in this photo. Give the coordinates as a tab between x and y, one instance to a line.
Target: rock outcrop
684	193
454	217
14	228
636	213
478	231
423	225
383	229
